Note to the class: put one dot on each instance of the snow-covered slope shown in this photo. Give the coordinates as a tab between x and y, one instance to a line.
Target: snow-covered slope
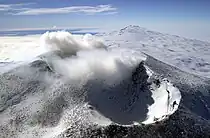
79	80
187	54
81	88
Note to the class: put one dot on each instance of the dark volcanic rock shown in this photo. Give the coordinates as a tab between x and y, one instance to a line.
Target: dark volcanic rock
179	125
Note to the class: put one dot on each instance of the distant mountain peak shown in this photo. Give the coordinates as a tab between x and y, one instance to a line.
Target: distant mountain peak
133	28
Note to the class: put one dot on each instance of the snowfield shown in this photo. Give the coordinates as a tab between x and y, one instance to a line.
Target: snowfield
190	55
18	48
118	84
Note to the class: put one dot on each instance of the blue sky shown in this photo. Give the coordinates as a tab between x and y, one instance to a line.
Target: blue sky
190	18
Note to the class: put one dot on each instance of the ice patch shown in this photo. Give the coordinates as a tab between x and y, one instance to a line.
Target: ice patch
166	101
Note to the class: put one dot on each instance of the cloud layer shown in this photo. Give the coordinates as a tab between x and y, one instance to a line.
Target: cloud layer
22	9
14	7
